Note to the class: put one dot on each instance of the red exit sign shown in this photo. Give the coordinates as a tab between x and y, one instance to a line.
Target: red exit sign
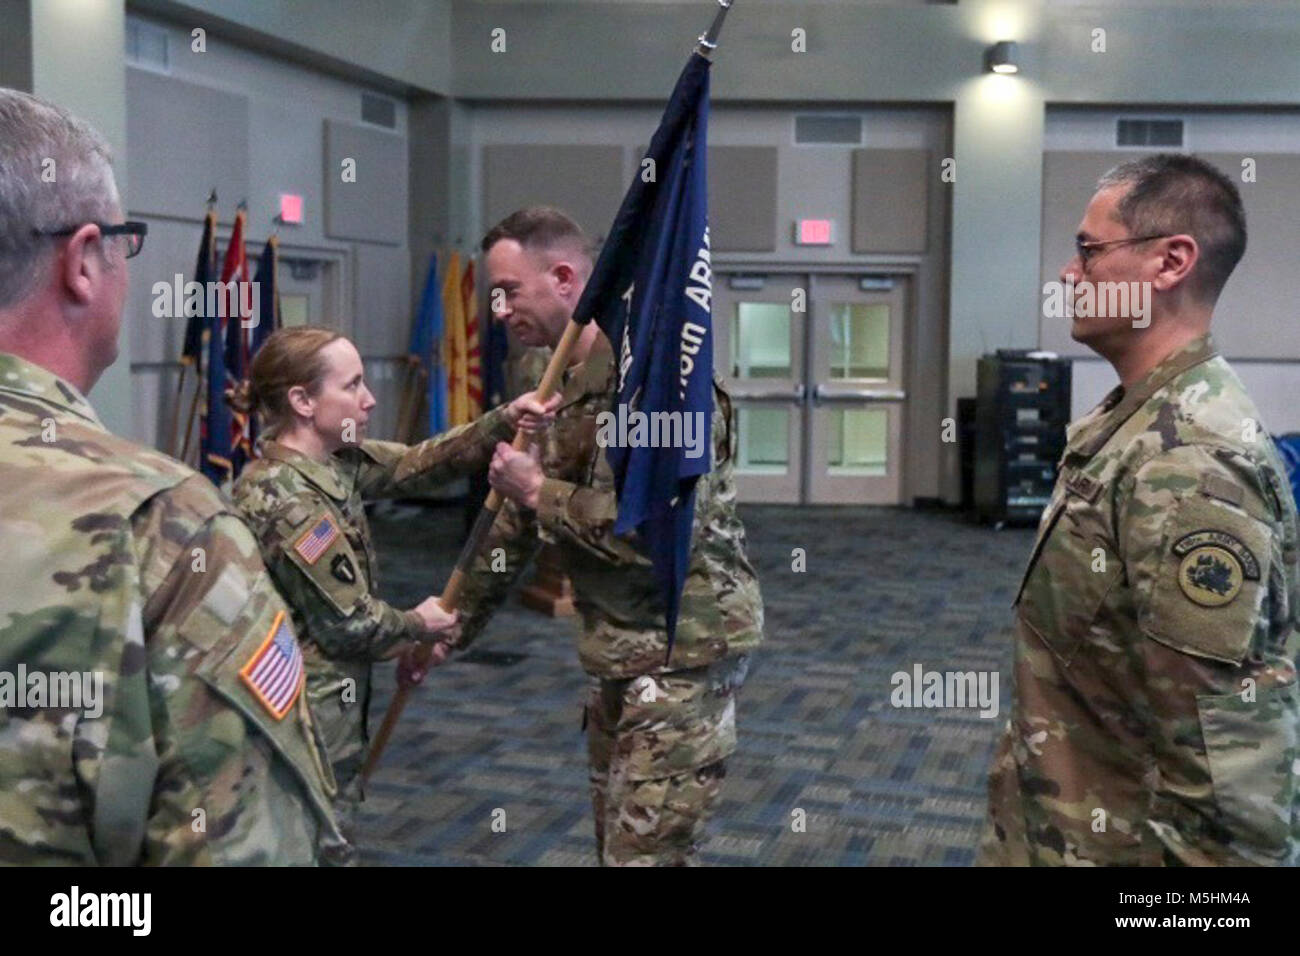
814	232
291	208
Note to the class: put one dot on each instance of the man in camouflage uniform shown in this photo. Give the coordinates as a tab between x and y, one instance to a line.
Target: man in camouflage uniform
1156	716
128	568
658	734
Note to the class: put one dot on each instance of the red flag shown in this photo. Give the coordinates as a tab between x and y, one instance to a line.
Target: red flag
238	308
473	350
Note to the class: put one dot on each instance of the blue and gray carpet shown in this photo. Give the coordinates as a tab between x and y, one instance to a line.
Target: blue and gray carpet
489	764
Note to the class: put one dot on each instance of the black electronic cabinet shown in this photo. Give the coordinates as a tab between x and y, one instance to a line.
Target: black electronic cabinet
1021	410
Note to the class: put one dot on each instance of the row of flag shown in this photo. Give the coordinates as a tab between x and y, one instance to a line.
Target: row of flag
456	355
219	346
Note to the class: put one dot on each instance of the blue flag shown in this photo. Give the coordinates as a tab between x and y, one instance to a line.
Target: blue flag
268	297
651	294
426	339
215	421
268	321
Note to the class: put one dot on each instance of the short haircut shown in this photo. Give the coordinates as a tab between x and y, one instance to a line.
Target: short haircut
540	228
55	172
1169	194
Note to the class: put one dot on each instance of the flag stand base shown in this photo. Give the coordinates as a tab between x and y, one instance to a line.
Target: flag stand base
550	591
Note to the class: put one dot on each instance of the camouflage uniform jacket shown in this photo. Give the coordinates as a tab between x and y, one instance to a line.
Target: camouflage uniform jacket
126	565
310	519
1156	714
624	631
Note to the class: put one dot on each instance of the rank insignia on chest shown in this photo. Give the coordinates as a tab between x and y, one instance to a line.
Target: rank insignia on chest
274	672
341	568
317	540
1214	566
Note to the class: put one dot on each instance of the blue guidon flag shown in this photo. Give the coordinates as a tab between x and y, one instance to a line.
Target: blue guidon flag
274	672
651	292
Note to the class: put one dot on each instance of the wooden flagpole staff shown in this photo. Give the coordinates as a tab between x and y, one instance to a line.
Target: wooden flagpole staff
450	597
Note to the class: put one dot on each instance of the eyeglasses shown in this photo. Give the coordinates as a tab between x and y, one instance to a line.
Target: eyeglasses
1086	250
133	230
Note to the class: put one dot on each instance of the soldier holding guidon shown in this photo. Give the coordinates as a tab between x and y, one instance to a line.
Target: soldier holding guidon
305	500
658	730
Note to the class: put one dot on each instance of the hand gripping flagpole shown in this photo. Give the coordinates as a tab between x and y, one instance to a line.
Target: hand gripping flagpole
450	597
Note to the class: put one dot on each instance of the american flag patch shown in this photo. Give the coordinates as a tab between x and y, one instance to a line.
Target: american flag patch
317	541
274	672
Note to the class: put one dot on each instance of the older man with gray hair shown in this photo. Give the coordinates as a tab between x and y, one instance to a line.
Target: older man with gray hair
125	567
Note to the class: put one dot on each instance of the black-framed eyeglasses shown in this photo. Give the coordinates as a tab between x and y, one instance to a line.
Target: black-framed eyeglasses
1086	249
132	229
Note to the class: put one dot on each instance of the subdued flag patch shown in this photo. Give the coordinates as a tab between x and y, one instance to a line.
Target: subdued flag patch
274	672
317	541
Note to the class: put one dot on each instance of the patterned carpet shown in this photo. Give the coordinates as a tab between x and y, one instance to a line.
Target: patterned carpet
489	765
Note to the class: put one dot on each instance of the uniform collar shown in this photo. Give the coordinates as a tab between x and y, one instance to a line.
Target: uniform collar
21	377
1087	436
323	474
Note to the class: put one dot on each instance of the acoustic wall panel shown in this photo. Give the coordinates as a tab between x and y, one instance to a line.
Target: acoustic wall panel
587	182
891	197
373	207
168	118
742	198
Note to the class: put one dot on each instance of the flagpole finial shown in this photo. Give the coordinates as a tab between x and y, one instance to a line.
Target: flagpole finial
708	41
212	197
243	206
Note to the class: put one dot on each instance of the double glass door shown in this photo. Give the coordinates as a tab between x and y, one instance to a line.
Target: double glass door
815	365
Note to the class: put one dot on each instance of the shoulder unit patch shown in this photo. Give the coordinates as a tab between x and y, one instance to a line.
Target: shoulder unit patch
1214	566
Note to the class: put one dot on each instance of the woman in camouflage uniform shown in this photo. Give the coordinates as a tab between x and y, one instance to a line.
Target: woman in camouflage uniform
304	499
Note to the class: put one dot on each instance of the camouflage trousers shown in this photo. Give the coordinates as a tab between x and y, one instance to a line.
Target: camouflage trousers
657	746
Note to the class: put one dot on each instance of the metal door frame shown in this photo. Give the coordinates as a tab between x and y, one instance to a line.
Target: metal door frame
787	392
905	268
891	393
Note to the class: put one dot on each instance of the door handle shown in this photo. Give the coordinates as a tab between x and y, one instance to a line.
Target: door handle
797	394
822	394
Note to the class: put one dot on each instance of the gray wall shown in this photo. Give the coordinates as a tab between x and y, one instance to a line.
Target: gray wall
1255	320
16	28
74	54
810	181
403	44
255	126
1228	54
1161	51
